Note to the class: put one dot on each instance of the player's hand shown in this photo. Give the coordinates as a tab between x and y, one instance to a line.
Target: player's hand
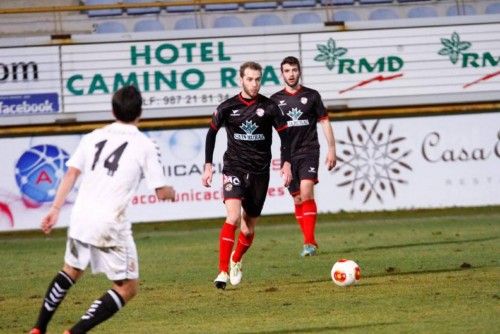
286	173
331	159
50	220
166	193
206	178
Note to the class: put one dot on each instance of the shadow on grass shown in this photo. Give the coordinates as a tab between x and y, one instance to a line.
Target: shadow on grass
324	328
417	244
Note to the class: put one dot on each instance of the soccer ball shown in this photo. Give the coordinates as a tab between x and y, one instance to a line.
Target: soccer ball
345	272
39	171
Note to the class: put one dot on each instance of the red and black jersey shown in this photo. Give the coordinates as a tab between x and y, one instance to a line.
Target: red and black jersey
302	110
249	125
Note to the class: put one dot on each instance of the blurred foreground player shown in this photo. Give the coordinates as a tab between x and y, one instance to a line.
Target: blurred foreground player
111	162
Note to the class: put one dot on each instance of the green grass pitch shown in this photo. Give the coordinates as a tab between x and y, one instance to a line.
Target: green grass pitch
425	271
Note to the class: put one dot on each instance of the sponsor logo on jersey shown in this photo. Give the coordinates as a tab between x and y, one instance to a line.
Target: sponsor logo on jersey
303	100
295	114
249	127
282	103
230	179
312	170
260	112
235	112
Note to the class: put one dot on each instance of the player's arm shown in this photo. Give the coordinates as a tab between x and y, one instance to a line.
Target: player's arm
286	153
206	178
215	124
331	156
286	156
67	183
154	172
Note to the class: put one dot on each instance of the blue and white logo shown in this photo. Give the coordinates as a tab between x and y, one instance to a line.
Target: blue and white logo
29	104
295	114
185	144
249	127
39	171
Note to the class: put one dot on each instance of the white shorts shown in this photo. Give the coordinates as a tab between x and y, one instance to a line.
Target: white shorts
118	263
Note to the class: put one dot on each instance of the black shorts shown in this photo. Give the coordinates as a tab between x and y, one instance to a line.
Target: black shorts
250	188
303	168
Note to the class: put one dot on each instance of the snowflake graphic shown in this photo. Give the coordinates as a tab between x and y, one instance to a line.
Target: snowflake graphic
294	113
453	47
372	161
329	53
249	127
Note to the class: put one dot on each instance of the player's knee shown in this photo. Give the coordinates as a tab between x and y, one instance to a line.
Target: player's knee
72	272
128	289
233	219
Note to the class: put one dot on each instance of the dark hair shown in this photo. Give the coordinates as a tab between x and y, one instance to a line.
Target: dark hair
290	60
249	64
127	104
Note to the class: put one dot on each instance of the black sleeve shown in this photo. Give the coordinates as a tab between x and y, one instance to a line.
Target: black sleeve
279	123
210	144
286	153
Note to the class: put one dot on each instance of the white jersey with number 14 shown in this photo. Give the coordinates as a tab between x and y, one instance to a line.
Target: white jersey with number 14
112	160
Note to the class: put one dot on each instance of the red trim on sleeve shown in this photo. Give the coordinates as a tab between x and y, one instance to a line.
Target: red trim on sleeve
282	128
322	118
212	125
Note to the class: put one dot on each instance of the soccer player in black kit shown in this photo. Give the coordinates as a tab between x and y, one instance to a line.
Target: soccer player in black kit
249	118
304	109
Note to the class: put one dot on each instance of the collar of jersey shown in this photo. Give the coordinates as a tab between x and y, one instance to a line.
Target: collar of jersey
245	102
123	126
293	94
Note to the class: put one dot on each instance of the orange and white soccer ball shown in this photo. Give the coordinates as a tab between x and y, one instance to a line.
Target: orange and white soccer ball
345	272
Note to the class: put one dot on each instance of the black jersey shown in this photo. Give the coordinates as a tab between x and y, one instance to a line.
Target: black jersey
249	125
303	110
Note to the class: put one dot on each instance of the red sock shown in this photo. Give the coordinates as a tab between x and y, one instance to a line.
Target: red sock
226	242
244	243
309	212
300	218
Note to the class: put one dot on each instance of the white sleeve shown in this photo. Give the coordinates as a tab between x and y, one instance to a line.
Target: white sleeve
154	171
77	160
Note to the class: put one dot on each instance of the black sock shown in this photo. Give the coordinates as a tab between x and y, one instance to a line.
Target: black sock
100	311
53	297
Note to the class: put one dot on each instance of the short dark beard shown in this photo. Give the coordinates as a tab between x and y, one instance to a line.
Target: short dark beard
293	86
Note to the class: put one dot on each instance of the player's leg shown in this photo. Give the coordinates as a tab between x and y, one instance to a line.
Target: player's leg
107	305
299	217
233	192
308	175
294	189
120	264
76	260
309	212
253	202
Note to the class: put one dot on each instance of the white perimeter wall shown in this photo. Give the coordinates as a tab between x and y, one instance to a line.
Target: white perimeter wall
387	164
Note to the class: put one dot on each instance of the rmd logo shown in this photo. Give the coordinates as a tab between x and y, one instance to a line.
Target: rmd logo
334	59
455	49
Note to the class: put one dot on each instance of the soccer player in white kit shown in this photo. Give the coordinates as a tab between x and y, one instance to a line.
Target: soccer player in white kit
111	161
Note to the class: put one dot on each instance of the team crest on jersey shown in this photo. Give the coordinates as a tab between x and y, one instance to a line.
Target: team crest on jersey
249	127
295	114
303	100
260	112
